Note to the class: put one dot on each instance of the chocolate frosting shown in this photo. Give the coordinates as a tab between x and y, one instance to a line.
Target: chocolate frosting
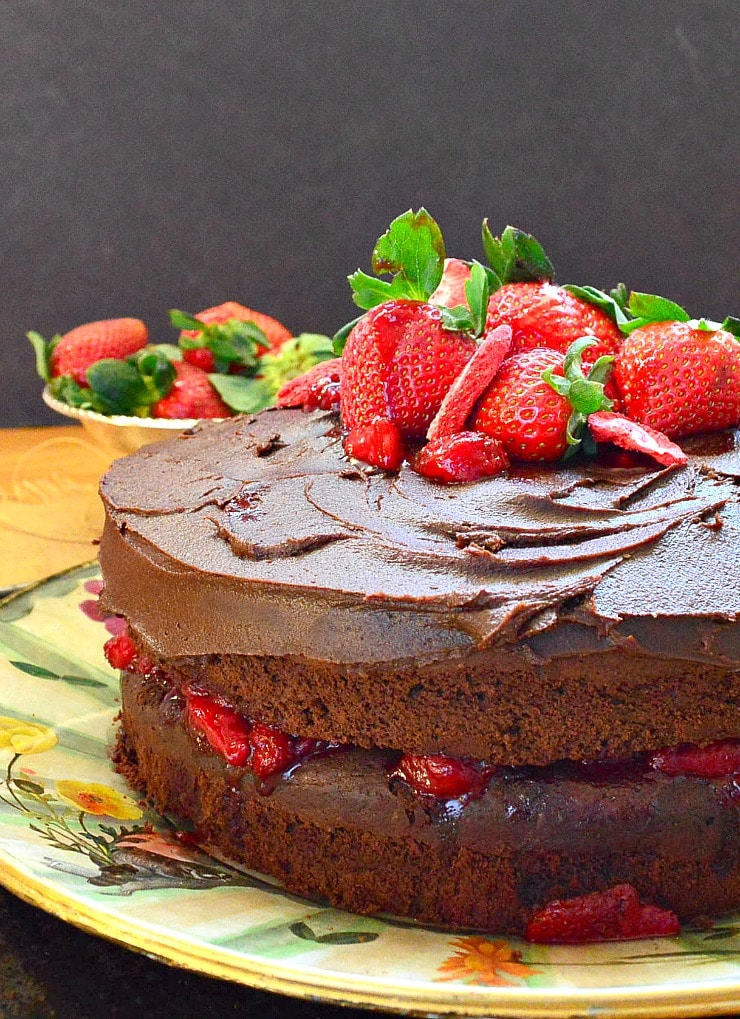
258	536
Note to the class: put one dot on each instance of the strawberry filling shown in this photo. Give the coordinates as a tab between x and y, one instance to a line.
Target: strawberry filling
120	652
447	778
716	760
616	913
266	750
612	915
226	731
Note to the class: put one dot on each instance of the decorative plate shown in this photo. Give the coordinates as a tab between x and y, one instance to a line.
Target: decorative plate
76	842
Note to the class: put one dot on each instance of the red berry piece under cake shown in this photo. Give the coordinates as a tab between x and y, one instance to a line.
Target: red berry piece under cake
501	697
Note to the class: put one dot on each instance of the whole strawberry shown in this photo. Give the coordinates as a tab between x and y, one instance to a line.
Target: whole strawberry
522	411
538	404
75	351
680	378
398	363
542	315
191	396
401	358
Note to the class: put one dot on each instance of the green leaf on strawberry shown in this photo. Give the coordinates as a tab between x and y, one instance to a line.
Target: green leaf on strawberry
117	387
170	351
293	358
368	291
413	250
66	390
156	371
731	325
471	317
181	320
515	257
233	342
243	394
128	387
585	393
647	308
43	351
615	303
339	339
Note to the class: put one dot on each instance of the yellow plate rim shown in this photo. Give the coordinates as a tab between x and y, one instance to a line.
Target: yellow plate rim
644	1002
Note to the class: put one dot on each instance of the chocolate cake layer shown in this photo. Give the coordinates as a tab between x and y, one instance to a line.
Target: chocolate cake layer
338	828
542	613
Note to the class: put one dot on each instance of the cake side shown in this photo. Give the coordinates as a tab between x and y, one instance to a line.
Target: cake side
340	828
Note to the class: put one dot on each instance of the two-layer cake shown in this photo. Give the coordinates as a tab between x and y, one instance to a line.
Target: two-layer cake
549	629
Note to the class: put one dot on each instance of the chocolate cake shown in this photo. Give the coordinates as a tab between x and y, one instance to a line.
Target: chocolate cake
562	643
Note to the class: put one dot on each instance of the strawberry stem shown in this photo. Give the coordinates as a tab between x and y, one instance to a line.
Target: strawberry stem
514	257
470	318
585	393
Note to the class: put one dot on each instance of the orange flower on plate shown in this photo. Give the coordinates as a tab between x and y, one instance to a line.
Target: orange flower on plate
480	961
95	798
25	737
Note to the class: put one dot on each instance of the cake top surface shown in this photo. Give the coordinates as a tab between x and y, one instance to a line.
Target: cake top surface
272	508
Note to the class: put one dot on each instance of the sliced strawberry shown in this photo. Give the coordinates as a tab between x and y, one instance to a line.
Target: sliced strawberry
318	389
379	444
272	750
471	383
653	922
120	652
225	729
612	915
466	456
605	426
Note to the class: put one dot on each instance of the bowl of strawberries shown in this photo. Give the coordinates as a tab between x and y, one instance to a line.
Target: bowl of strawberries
127	391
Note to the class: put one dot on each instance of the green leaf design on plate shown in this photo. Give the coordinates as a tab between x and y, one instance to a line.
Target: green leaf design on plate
306	933
34	670
41	673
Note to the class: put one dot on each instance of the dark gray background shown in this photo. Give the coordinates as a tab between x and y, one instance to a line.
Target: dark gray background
159	154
